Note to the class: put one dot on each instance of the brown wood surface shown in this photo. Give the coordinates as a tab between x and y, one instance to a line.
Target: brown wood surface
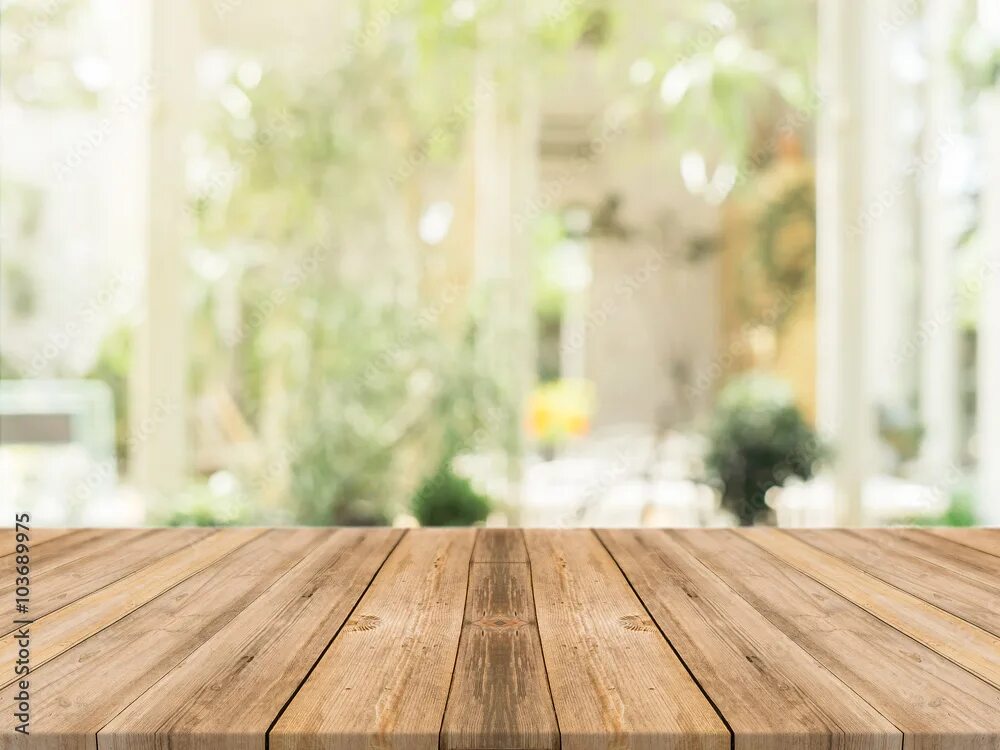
615	681
61	551
384	682
963	561
984	540
933	701
79	692
36	537
759	639
499	693
917	569
61	630
90	572
500	545
967	645
774	694
243	675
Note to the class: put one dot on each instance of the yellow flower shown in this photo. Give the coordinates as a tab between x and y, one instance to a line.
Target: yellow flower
560	409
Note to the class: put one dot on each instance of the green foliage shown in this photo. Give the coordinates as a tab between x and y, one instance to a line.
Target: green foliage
361	379
202	515
725	74
447	499
112	367
976	53
378	392
758	440
308	197
219	501
41	44
960	512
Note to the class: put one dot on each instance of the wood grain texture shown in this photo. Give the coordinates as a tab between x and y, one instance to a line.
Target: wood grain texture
384	681
773	693
967	562
59	631
934	702
78	693
89	572
916	569
500	694
984	540
500	545
36	537
615	681
246	639
244	675
62	551
965	644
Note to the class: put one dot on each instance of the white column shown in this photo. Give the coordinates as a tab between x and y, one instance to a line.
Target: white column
506	172
843	413
158	438
939	381
884	219
988	391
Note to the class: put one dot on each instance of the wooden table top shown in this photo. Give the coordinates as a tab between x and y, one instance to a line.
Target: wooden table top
189	639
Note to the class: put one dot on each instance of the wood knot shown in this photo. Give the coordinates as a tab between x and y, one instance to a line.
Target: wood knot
362	623
498	622
637	623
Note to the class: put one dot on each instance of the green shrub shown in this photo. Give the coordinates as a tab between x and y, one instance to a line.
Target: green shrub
446	499
758	440
961	512
217	501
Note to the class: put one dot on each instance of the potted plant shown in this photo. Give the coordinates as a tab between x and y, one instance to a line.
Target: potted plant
448	499
758	439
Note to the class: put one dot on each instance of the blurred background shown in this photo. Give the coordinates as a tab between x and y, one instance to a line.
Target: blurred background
559	262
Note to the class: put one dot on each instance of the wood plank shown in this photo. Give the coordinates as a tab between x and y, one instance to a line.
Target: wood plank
975	564
884	555
244	675
384	681
615	681
500	694
936	703
772	693
63	550
973	648
36	537
92	571
61	630
500	545
79	692
984	540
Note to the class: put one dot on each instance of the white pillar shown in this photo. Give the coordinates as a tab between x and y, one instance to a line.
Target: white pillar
158	437
843	413
505	141
883	225
988	391
939	360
